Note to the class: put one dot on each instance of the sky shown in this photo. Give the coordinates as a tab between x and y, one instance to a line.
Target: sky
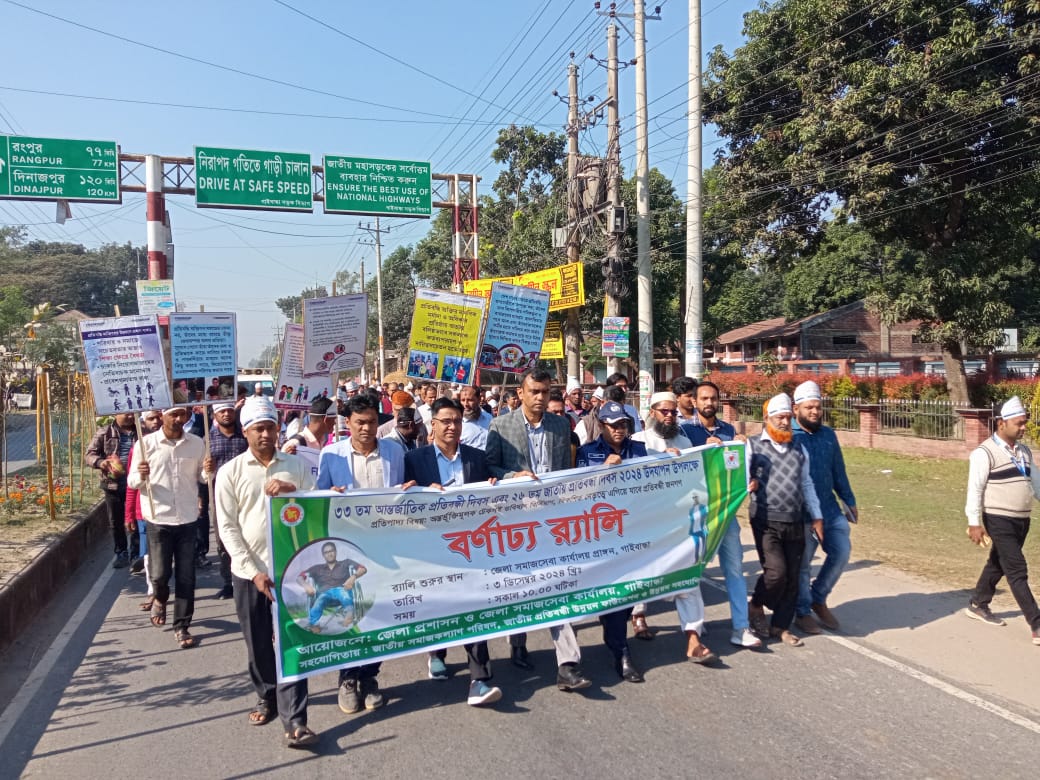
407	81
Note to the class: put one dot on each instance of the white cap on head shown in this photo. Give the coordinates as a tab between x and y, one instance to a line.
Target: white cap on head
778	404
807	391
173	409
1012	408
257	409
493	403
598	394
660	397
223	407
573	384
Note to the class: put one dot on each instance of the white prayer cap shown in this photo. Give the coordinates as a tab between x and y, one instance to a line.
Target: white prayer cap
221	407
778	404
573	384
257	409
661	397
493	403
174	409
598	395
807	391
1012	408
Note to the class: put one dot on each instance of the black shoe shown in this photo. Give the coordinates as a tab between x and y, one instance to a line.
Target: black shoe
202	562
137	566
570	678
227	592
122	560
982	613
519	659
628	671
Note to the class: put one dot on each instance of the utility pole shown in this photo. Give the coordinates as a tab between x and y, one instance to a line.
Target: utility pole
694	206
612	300
643	265
571	331
377	233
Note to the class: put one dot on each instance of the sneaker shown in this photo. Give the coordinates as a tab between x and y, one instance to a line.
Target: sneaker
826	617
373	696
983	614
122	560
482	693
226	592
745	637
137	566
437	667
807	624
349	698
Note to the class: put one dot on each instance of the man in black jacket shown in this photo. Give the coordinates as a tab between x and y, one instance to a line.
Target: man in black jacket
449	463
108	453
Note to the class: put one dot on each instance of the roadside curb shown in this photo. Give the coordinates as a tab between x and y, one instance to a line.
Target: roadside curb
29	591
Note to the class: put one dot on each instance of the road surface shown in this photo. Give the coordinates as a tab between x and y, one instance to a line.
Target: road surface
910	688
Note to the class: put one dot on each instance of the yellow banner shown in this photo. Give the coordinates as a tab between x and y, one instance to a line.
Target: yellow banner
565	283
552	346
445	333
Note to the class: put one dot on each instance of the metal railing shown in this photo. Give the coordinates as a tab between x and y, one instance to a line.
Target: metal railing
923	419
841	413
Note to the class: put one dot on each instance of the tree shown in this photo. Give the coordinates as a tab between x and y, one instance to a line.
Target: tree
292	305
847	267
916	118
93	281
398	301
747	296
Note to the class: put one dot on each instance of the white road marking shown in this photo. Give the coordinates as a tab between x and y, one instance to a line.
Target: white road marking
909	671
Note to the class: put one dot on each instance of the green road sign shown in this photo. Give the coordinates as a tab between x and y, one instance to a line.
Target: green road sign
59	169
392	188
248	179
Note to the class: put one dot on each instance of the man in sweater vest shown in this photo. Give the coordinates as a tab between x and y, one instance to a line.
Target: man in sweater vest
781	487
1002	484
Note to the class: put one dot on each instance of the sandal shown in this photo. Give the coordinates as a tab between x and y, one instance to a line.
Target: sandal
185	639
640	628
263	713
146	606
702	655
787	637
300	737
158	613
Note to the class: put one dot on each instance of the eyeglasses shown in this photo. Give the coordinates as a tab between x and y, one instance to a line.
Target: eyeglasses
448	422
667	412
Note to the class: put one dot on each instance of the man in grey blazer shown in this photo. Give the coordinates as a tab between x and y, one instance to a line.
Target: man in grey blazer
527	443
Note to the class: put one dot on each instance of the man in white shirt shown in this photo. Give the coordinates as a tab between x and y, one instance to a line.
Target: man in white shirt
361	461
1002	483
243	486
168	467
662	434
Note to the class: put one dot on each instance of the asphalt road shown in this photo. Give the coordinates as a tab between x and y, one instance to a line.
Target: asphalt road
911	688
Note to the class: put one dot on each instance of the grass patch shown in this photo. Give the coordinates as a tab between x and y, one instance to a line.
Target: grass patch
912	516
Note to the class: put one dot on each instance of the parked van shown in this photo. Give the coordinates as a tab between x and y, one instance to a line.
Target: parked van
248	377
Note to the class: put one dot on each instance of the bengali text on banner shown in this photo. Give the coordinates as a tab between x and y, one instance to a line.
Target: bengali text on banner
371	575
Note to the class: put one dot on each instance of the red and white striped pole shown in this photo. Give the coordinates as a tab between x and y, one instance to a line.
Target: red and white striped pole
156	205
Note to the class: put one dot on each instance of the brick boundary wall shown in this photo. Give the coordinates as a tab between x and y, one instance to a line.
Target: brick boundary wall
29	591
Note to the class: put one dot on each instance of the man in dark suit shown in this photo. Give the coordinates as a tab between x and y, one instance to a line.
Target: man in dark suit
449	463
526	443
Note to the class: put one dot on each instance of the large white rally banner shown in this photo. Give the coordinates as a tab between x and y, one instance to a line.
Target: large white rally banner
371	575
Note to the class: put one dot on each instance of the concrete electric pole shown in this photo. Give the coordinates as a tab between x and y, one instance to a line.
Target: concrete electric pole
376	233
571	331
694	206
643	264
